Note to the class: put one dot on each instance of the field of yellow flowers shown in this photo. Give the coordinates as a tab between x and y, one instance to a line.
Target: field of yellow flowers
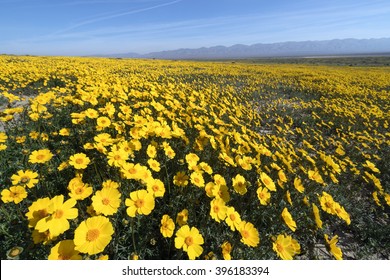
147	159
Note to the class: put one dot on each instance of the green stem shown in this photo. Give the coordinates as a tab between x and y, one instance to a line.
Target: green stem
43	183
98	172
133	235
20	212
168	181
5	213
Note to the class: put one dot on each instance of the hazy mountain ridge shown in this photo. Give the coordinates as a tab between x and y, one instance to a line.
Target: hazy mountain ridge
303	48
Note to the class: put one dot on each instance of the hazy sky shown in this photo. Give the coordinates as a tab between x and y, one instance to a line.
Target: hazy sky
85	27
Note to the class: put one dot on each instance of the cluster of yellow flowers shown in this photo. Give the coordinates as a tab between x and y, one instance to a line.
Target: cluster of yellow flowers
259	148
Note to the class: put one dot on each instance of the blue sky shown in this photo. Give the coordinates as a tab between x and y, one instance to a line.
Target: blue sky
85	27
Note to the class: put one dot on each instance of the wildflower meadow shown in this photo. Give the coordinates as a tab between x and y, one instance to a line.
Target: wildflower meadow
147	159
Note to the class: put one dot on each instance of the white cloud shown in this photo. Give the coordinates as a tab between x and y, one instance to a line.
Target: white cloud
100	18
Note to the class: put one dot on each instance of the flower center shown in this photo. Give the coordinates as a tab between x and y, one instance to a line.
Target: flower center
117	157
266	181
139	203
93	234
261	195
189	240
24	180
328	204
79	190
132	171
279	247
105	201
232	217
79	161
58	214
216	208
245	233
40	157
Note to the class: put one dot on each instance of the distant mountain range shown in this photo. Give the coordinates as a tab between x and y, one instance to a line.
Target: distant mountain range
284	49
